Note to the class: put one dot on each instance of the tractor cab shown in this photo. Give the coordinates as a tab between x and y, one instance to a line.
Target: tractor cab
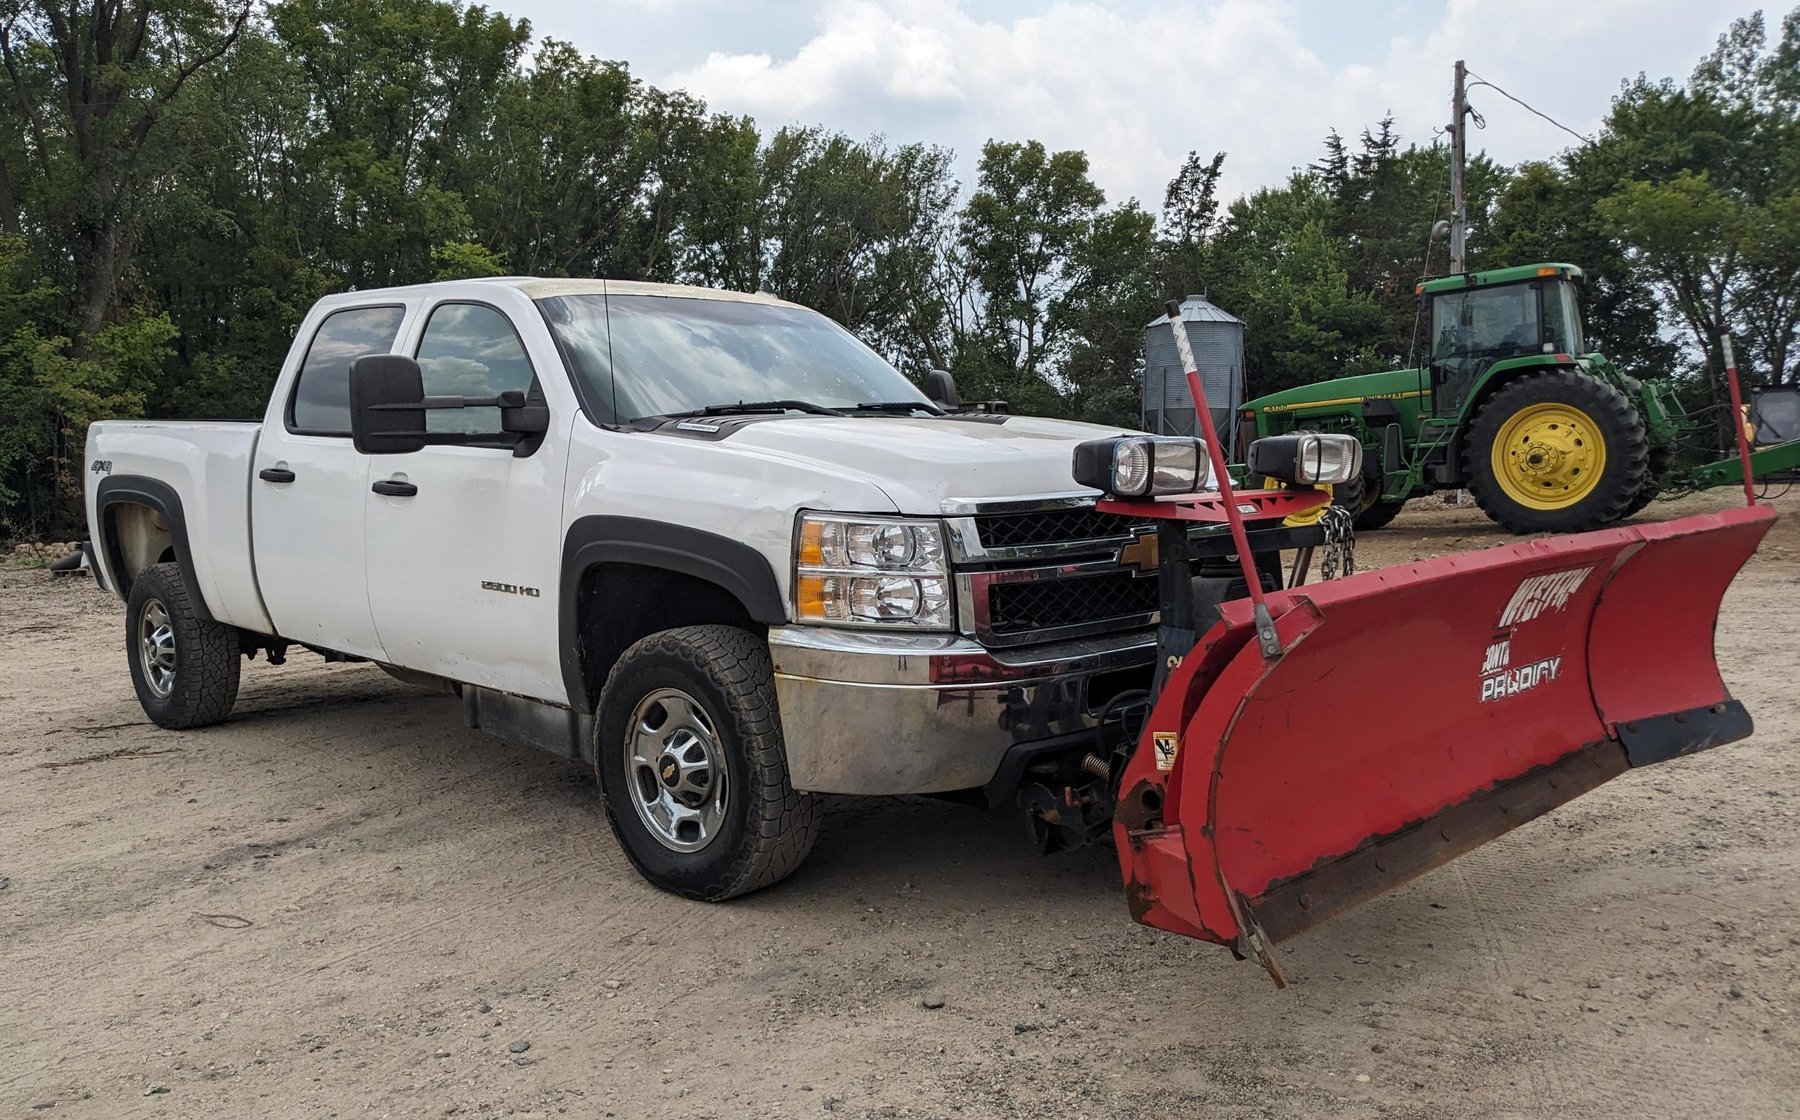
1480	318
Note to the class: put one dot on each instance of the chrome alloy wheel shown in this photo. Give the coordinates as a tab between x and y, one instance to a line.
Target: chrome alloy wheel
156	648
676	769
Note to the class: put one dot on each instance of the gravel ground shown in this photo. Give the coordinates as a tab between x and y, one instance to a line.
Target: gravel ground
343	903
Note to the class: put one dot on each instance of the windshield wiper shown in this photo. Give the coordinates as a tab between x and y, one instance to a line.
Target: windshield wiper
807	407
901	406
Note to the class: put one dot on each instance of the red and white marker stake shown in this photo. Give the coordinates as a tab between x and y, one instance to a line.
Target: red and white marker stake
1737	418
1265	625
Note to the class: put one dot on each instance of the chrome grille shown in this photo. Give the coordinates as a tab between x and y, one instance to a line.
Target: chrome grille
1051	527
1118	597
1045	569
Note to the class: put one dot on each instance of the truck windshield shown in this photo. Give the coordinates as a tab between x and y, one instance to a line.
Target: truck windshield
645	356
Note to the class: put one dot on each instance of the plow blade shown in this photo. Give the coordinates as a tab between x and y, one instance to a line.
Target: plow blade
1417	713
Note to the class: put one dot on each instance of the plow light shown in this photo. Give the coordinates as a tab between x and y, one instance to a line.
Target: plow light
1143	466
1307	458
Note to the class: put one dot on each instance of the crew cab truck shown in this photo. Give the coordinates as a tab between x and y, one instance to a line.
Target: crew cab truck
706	540
718	548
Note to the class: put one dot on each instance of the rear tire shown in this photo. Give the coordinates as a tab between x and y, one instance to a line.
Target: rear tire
692	766
184	667
1556	452
1661	458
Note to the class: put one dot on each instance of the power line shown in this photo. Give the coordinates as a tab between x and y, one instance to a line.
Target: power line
1481	81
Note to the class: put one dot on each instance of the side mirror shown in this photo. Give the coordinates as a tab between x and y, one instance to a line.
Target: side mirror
387	404
527	416
940	389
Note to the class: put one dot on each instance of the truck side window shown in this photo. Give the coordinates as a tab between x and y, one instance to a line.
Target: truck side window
321	402
470	350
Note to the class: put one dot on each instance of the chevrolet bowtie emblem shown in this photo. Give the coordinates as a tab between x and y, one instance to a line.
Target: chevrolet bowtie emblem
1141	553
668	772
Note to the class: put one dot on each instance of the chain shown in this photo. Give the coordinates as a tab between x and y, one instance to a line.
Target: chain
1340	543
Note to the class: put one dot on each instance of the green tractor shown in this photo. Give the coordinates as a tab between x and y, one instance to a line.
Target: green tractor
1513	407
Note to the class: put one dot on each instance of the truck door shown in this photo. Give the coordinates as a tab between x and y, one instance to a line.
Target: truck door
463	542
308	487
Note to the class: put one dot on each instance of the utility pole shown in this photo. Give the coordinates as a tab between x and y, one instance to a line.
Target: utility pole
1459	212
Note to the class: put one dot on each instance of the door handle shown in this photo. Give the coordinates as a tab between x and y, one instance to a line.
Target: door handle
393	488
275	474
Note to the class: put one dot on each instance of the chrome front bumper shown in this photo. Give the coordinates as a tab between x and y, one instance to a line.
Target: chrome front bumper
891	714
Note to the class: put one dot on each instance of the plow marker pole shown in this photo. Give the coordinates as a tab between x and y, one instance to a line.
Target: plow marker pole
1737	417
1266	638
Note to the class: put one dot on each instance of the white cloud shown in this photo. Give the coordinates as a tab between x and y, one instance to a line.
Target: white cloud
1138	85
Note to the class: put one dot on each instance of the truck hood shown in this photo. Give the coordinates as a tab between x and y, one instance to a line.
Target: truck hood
922	462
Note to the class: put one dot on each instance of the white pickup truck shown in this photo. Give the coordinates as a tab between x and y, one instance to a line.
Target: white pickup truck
707	541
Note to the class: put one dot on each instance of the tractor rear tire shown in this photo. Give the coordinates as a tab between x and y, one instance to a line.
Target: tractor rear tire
1661	457
1556	452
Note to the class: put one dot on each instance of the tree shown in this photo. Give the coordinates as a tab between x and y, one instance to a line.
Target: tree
1281	271
1031	210
181	179
402	90
556	181
90	82
1700	193
1112	292
1189	220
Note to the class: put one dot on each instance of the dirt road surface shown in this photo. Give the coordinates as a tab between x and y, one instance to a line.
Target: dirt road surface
342	903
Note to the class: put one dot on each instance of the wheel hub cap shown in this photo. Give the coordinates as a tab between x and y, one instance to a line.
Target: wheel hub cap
676	770
1549	456
156	648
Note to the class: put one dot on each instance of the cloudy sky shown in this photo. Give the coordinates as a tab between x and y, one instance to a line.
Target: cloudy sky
1137	84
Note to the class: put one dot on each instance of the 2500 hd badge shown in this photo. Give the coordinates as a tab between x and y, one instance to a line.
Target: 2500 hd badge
510	588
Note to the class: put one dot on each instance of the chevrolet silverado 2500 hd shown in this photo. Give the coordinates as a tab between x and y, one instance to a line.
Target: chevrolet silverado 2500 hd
707	541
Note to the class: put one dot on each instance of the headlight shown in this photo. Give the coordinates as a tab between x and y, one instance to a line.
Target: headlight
1308	458
1143	466
858	571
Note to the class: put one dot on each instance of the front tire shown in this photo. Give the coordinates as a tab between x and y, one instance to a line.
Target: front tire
184	667
1556	452
1363	499
692	766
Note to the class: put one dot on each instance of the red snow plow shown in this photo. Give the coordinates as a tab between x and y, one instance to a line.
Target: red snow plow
1280	777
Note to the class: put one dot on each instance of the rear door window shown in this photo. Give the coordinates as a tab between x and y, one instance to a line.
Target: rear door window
321	401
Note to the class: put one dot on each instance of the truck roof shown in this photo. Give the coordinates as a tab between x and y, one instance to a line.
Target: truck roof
1495	276
542	287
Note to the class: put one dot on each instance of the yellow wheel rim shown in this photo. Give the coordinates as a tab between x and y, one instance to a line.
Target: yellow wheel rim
1548	456
1304	517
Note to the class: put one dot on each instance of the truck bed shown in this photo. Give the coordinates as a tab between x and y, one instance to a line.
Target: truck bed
205	466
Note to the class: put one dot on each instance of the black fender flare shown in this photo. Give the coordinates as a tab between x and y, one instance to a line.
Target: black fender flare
732	565
135	489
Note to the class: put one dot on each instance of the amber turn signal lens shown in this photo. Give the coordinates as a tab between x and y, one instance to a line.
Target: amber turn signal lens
812	550
809	597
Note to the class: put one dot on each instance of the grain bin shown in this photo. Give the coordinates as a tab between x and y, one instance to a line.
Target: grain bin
1217	337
